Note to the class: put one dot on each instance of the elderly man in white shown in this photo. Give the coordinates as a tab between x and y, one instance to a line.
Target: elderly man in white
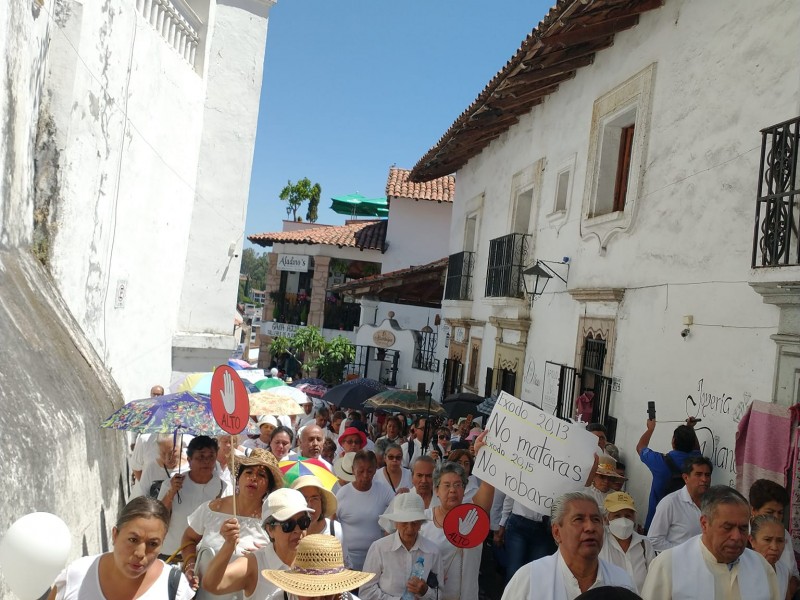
576	567
715	565
622	546
677	517
393	557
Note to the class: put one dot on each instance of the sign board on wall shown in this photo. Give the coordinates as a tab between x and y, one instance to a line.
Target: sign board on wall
532	456
383	338
293	262
275	329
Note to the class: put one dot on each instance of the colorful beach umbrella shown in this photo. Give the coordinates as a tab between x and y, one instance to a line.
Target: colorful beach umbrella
292	469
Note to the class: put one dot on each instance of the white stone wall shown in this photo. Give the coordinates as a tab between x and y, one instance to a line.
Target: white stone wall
233	69
722	72
415	232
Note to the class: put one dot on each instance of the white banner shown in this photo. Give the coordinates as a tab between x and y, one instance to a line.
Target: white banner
532	456
293	262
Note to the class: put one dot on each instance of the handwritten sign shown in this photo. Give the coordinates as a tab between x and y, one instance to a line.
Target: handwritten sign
532	456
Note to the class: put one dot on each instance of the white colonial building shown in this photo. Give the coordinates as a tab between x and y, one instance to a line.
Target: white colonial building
620	153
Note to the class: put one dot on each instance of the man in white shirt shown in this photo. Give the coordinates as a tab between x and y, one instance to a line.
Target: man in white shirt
422	468
524	533
575	568
310	446
359	505
677	517
715	565
392	558
622	546
418	433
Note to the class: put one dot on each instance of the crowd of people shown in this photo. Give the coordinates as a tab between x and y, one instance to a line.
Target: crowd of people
215	518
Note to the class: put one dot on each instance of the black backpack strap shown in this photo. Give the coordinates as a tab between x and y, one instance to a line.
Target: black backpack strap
411	447
173	582
332	532
671	464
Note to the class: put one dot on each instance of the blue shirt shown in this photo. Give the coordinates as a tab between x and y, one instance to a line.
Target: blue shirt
661	475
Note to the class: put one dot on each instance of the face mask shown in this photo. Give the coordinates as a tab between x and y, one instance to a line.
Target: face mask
622	528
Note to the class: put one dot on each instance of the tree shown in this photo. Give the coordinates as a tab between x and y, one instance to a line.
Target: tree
303	191
312	351
255	266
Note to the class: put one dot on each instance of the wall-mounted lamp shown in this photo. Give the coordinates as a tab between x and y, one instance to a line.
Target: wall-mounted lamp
539	274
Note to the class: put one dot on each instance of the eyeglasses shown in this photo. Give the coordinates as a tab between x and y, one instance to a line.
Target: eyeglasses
303	522
444	437
394	457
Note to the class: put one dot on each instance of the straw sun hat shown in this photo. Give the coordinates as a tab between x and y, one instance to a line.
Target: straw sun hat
318	569
260	458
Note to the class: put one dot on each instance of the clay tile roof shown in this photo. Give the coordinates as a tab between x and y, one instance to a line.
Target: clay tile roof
566	40
437	266
365	235
441	189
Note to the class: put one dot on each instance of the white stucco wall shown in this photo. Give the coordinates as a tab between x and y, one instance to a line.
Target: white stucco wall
720	76
139	199
234	70
416	232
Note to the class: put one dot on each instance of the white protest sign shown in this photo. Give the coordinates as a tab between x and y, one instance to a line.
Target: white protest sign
534	457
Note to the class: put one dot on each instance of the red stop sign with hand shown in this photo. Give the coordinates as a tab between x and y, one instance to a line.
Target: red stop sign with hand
230	402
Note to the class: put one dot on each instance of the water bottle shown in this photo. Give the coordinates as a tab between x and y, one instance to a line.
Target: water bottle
417	571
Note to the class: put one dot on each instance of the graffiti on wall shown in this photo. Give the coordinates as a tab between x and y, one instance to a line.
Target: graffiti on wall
716	408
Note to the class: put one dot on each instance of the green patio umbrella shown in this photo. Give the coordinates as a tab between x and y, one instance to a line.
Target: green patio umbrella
357	205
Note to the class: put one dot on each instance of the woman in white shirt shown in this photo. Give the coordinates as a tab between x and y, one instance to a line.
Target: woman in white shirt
132	569
393	474
459	577
257	476
286	517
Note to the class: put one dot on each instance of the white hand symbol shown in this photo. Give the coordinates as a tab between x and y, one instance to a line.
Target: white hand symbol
228	394
466	524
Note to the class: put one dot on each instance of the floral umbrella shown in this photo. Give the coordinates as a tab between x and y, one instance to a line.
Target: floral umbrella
317	391
292	469
183	412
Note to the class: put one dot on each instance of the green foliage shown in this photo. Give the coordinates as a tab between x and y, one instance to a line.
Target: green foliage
312	351
303	191
255	266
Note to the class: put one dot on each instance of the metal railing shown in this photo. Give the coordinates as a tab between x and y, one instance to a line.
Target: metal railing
345	316
176	22
507	256
458	285
425	352
776	241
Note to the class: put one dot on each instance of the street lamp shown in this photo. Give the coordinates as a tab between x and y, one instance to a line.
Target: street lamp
540	274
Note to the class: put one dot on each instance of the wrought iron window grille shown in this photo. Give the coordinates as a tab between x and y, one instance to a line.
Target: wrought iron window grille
458	285
507	256
775	236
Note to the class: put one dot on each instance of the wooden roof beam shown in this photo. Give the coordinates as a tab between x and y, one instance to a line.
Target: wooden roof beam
579	34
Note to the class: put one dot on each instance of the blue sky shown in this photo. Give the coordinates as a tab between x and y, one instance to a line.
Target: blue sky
352	87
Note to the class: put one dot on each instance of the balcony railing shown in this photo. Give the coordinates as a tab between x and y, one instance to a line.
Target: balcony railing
459	276
425	352
776	242
342	315
507	256
294	312
176	22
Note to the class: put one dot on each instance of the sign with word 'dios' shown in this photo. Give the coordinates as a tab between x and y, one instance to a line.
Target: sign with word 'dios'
230	402
534	457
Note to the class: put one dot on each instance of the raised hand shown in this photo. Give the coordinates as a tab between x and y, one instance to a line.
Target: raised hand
466	523
228	393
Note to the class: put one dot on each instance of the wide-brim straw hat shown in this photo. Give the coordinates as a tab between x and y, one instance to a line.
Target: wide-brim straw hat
318	569
608	470
331	503
260	458
343	467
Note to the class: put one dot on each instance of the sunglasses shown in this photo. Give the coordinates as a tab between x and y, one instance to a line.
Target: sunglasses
303	522
444	437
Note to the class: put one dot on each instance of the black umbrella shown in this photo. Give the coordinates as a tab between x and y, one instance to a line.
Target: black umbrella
353	394
461	405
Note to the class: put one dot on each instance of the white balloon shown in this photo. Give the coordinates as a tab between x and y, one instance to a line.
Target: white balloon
33	552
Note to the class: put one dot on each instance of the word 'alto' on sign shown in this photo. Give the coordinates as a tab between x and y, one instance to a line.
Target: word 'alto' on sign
533	456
